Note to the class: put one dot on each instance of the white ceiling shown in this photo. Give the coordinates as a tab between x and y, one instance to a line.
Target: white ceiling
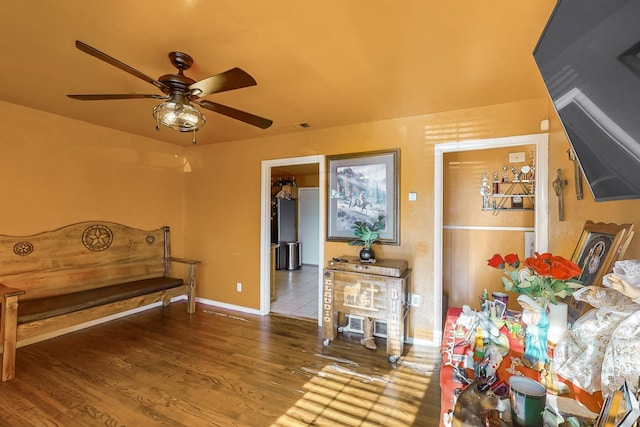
326	63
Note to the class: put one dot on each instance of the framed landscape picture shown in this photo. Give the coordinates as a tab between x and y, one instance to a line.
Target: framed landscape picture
361	187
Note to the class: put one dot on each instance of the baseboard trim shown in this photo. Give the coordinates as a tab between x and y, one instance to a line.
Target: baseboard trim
226	306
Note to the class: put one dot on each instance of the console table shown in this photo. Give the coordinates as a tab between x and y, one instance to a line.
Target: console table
375	290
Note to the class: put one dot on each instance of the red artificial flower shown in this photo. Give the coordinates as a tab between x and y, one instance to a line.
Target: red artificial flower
512	260
546	257
563	269
539	264
543	276
496	261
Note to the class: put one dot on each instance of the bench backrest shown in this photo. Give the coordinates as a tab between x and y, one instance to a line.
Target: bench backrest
82	256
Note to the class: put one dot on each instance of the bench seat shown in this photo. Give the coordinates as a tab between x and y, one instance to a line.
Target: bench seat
80	275
43	308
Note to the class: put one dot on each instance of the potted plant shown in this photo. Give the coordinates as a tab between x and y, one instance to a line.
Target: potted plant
366	235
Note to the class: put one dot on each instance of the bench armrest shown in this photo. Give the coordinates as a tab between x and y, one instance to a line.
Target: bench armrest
191	297
6	291
184	261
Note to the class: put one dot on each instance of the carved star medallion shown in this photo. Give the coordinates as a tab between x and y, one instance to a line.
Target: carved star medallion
22	248
97	237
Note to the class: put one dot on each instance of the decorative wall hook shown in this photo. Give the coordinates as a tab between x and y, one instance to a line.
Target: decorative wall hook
577	173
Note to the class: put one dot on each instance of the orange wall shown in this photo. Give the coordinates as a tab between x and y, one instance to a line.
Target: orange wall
223	194
55	171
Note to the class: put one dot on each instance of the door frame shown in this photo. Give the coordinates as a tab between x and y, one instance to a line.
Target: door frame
265	225
541	215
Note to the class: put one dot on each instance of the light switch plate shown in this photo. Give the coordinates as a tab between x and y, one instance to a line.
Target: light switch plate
413	197
416	300
529	243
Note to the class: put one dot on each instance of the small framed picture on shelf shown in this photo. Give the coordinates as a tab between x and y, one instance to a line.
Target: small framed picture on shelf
517	201
500	307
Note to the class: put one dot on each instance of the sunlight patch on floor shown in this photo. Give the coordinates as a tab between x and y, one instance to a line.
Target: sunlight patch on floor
345	396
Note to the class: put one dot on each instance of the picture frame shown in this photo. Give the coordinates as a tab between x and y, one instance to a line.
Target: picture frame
599	246
500	307
361	186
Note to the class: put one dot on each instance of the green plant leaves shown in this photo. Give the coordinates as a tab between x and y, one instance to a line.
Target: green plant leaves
367	234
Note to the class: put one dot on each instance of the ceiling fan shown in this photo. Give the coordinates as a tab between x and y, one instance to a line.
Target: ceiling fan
180	92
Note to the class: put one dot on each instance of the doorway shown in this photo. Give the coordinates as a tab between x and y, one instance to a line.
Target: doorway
541	202
310	276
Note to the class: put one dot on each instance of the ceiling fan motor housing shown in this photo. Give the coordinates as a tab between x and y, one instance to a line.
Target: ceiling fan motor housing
178	82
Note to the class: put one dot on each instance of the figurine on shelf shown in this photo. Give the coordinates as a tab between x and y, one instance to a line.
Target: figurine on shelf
536	320
505	174
516	174
485	190
484	301
549	378
621	284
496	184
532	177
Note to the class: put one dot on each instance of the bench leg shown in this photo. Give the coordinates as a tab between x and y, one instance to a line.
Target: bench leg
8	334
166	301
191	297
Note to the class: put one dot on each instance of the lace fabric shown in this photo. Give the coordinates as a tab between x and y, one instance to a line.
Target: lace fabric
602	349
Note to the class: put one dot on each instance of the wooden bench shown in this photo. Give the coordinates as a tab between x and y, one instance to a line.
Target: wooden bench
75	276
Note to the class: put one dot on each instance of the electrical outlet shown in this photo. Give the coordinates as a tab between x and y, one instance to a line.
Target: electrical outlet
416	300
239	287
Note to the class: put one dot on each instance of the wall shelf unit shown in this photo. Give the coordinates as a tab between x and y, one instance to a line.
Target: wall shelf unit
510	196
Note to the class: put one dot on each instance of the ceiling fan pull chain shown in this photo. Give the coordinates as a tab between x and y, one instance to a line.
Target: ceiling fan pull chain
194	136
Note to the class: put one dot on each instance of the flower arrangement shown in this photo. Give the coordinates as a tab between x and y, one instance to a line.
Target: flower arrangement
544	276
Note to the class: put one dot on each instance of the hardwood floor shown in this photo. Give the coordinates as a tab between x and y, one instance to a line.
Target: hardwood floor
217	368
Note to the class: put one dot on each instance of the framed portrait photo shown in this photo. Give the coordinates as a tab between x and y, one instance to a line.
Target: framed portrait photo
361	187
600	245
597	250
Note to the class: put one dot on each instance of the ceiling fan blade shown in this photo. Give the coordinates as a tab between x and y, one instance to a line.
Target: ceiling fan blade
103	97
243	116
110	60
234	78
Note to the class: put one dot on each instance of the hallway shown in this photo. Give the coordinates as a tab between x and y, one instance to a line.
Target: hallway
297	292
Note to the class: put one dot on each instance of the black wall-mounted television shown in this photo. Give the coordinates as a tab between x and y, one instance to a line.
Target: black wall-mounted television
589	59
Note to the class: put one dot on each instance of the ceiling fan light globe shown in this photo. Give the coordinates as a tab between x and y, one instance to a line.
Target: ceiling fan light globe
179	116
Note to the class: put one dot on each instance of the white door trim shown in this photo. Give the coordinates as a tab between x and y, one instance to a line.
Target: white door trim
265	226
541	221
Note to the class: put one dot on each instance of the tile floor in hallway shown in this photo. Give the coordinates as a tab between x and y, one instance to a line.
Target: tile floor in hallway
297	292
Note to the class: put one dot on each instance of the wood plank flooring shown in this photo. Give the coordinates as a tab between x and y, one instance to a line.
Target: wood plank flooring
164	367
